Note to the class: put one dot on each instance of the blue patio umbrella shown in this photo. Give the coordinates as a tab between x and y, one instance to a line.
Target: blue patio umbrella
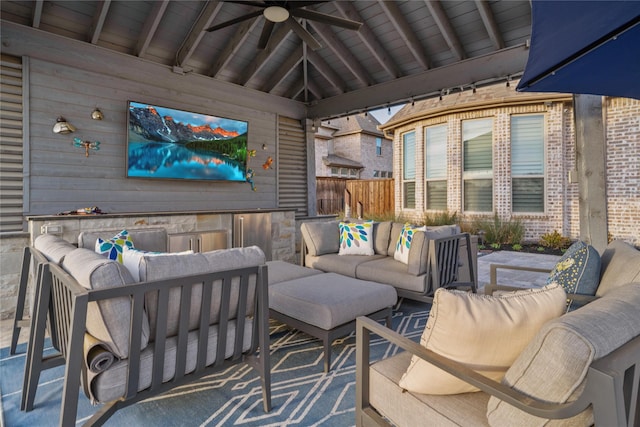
584	47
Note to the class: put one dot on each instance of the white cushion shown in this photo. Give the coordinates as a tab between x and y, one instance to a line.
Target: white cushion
403	245
486	333
356	238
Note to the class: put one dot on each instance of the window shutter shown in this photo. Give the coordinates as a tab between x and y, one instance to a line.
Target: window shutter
11	146
292	166
478	141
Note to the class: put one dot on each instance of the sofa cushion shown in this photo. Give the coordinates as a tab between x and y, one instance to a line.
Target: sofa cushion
486	333
54	248
112	384
108	320
341	264
356	238
403	245
620	265
321	237
419	252
394	234
112	248
414	409
381	232
554	365
148	239
391	272
577	271
131	258
172	266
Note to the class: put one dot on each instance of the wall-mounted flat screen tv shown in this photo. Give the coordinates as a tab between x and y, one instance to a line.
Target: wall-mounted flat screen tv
174	144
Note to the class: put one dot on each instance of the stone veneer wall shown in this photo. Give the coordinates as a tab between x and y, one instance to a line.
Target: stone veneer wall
283	240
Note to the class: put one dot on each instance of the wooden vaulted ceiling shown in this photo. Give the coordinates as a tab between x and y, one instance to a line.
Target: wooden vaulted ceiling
404	49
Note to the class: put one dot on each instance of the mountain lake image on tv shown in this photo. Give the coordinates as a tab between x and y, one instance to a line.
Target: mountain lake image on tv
175	144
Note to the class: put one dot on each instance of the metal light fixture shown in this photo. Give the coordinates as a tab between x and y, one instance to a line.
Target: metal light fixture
62	126
97	114
276	14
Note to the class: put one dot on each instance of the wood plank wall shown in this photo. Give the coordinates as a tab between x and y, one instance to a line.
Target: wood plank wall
62	178
376	195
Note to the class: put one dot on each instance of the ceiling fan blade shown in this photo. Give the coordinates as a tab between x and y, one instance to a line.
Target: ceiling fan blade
326	19
266	34
303	33
297	4
235	21
250	3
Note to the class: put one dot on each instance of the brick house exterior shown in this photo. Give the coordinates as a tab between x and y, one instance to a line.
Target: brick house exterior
353	148
560	195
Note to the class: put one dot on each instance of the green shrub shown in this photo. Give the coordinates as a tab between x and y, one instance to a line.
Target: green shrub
503	232
555	240
516	247
442	218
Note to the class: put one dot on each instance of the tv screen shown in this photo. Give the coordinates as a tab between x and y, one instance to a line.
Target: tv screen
168	143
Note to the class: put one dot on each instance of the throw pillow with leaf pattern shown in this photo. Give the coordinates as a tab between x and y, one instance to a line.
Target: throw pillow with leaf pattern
112	248
356	238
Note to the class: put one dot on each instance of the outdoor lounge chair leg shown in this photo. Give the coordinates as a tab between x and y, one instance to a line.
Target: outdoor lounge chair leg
327	354
19	321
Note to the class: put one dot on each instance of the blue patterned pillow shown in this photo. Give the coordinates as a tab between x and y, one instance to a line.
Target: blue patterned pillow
577	271
403	245
356	238
112	248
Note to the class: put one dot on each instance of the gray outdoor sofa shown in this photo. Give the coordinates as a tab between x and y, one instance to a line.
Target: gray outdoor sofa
438	257
125	341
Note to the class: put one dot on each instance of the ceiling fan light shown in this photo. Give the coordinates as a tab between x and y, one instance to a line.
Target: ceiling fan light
276	14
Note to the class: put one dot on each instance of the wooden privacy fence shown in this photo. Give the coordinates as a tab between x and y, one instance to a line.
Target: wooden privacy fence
375	195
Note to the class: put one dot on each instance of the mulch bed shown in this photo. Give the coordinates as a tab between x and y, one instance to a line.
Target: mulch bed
528	248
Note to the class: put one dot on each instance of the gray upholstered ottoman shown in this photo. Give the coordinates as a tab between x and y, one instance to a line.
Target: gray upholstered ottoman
326	305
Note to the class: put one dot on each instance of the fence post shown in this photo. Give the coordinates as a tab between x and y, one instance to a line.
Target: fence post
347	204
359	210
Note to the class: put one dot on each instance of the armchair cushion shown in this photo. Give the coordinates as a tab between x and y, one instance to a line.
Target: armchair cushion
172	265
577	271
107	320
553	367
53	247
419	253
486	333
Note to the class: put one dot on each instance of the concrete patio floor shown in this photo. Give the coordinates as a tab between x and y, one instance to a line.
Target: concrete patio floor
505	277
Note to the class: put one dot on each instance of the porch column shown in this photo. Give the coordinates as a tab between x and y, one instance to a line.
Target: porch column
591	169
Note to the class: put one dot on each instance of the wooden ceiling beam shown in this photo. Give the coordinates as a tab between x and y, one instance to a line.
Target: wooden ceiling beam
485	68
446	29
263	56
232	46
150	26
340	50
37	14
193	39
403	28
98	21
489	21
348	10
326	71
283	70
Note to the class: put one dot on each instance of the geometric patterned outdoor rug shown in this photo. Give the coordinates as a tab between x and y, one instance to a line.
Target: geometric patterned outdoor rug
302	394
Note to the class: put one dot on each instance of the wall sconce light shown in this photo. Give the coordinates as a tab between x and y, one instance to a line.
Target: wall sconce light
264	146
97	114
62	126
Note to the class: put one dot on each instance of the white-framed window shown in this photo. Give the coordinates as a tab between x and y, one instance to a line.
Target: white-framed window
527	163
477	159
436	167
344	172
378	146
409	169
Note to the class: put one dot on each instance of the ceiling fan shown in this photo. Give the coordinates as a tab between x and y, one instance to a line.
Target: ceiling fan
286	11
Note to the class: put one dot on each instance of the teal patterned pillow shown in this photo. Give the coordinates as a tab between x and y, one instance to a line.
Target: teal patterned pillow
113	247
403	246
356	238
577	271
